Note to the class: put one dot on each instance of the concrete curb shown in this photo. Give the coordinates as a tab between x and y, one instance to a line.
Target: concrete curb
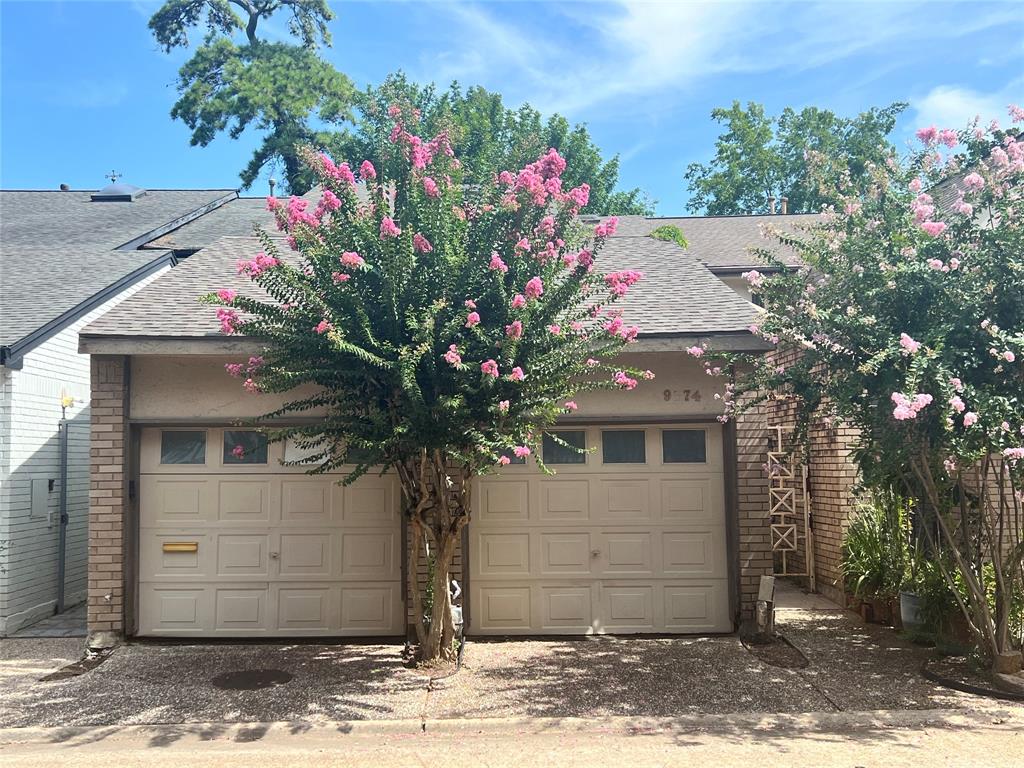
811	722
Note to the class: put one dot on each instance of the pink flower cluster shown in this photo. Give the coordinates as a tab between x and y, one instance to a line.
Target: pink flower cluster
257	266
228	320
534	288
420	244
908	408
616	327
754	278
621	282
227	295
910	346
497	263
606	228
452	356
489	368
923	209
339	172
388	228
623	380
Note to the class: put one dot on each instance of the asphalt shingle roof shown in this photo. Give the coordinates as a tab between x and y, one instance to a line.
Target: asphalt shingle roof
237	218
722	242
678	295
58	249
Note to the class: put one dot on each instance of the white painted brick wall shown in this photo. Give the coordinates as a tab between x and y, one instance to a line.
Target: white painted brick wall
30	411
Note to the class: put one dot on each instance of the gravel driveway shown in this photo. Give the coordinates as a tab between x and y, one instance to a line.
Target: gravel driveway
852	667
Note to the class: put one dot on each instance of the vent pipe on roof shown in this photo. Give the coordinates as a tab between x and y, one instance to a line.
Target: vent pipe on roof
771	204
273	183
64	187
784	201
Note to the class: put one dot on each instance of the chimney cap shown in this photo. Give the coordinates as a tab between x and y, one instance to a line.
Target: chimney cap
785	205
118	193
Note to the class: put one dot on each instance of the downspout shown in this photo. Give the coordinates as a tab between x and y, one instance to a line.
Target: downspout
63	530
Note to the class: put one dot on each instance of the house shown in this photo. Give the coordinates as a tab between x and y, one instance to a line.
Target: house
664	528
66	258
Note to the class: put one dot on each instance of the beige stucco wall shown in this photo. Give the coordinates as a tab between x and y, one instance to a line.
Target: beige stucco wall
198	388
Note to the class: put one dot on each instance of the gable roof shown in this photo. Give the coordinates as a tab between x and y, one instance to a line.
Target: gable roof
61	252
722	243
678	296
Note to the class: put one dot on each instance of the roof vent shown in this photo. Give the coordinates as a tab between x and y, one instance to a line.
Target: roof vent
118	193
590	218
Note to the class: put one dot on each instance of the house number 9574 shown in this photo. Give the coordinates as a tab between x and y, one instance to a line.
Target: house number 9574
686	395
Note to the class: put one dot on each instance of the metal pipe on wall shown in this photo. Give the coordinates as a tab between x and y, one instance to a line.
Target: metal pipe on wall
63	528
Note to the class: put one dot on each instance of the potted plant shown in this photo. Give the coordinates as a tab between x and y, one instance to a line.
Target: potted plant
875	551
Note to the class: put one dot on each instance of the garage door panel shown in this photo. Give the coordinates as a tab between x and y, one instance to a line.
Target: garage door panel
616	547
503	554
625	553
626	607
624	500
177	554
243	554
696	607
368	555
567	609
264	550
369	502
695	499
177	609
564	500
177	500
369	610
308	503
243	501
307	609
503	608
241	610
307	555
565	553
694	553
504	501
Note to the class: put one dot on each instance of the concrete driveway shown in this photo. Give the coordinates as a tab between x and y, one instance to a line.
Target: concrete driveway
853	667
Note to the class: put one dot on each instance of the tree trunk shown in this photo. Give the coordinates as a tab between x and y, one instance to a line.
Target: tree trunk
438	643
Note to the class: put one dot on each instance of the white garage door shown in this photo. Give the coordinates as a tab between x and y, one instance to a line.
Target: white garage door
629	538
233	544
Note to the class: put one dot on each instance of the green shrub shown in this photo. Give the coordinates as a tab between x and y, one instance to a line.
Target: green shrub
670	234
876	547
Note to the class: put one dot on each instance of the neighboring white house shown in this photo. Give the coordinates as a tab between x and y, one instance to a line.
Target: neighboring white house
66	258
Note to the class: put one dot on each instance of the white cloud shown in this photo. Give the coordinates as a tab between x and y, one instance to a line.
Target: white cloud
645	50
950	106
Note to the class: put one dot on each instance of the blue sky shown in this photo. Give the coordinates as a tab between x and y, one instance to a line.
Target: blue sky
86	90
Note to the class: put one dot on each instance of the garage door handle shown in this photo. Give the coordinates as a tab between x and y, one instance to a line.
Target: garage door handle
275	555
595	553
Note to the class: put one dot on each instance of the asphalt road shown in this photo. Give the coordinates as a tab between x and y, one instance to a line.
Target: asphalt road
988	737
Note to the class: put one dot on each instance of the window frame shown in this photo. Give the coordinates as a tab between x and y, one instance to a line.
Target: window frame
583	454
702	430
643	432
191	430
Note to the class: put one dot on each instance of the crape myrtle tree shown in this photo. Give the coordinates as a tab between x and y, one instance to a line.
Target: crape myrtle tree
443	327
909	321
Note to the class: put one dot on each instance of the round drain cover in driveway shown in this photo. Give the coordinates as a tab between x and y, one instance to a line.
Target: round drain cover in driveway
251	679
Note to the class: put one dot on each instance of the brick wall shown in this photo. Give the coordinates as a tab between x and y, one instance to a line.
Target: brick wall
107	499
754	543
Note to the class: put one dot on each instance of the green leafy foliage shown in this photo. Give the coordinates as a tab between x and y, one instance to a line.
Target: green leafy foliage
759	156
907	325
274	88
487	137
876	547
670	233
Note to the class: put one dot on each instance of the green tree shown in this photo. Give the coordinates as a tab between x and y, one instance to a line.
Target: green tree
488	136
443	326
759	156
276	88
909	322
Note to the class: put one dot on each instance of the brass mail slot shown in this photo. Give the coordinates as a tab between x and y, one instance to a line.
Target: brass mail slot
181	546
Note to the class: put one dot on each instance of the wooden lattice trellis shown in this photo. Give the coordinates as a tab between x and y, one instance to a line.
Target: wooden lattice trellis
790	510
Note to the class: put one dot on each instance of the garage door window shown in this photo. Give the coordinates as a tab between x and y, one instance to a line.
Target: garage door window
245	447
182	447
557	453
684	446
624	446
